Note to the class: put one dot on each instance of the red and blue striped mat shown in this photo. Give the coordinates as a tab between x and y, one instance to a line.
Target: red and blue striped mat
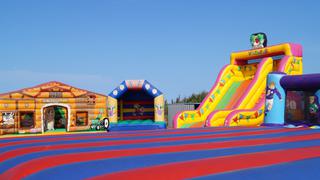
203	153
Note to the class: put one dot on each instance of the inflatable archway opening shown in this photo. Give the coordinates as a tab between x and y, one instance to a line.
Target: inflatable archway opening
302	99
136	105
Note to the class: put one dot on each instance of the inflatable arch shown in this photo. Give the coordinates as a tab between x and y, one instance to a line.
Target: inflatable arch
136	104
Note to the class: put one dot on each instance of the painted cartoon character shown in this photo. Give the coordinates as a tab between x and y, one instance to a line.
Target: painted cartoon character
8	118
258	40
99	116
111	111
50	120
139	110
271	90
313	108
159	109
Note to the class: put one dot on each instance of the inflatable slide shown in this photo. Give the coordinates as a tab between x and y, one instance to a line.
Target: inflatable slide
237	98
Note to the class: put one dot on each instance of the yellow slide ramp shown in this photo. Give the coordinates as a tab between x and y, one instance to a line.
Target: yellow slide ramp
248	101
229	85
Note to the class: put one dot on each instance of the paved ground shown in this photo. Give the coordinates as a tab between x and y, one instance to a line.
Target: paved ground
220	153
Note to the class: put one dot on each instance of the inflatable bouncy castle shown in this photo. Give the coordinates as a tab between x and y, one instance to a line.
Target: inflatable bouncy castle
297	103
50	107
136	105
238	96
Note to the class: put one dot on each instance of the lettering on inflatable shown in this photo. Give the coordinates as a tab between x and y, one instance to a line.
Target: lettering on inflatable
258	52
60	100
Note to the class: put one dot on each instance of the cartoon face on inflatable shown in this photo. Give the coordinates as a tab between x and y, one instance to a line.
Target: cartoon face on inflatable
139	110
258	40
111	111
313	105
8	118
159	109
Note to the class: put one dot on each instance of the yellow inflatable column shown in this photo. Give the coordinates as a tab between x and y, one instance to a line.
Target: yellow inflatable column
112	109
159	109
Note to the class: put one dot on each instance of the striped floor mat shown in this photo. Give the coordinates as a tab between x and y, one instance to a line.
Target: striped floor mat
203	153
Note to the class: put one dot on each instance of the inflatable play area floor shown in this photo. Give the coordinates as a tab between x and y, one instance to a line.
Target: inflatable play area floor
137	124
202	153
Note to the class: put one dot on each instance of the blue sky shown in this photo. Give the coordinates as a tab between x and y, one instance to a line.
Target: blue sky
178	45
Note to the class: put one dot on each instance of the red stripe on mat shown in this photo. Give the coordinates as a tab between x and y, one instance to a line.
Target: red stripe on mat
24	170
22	151
212	166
